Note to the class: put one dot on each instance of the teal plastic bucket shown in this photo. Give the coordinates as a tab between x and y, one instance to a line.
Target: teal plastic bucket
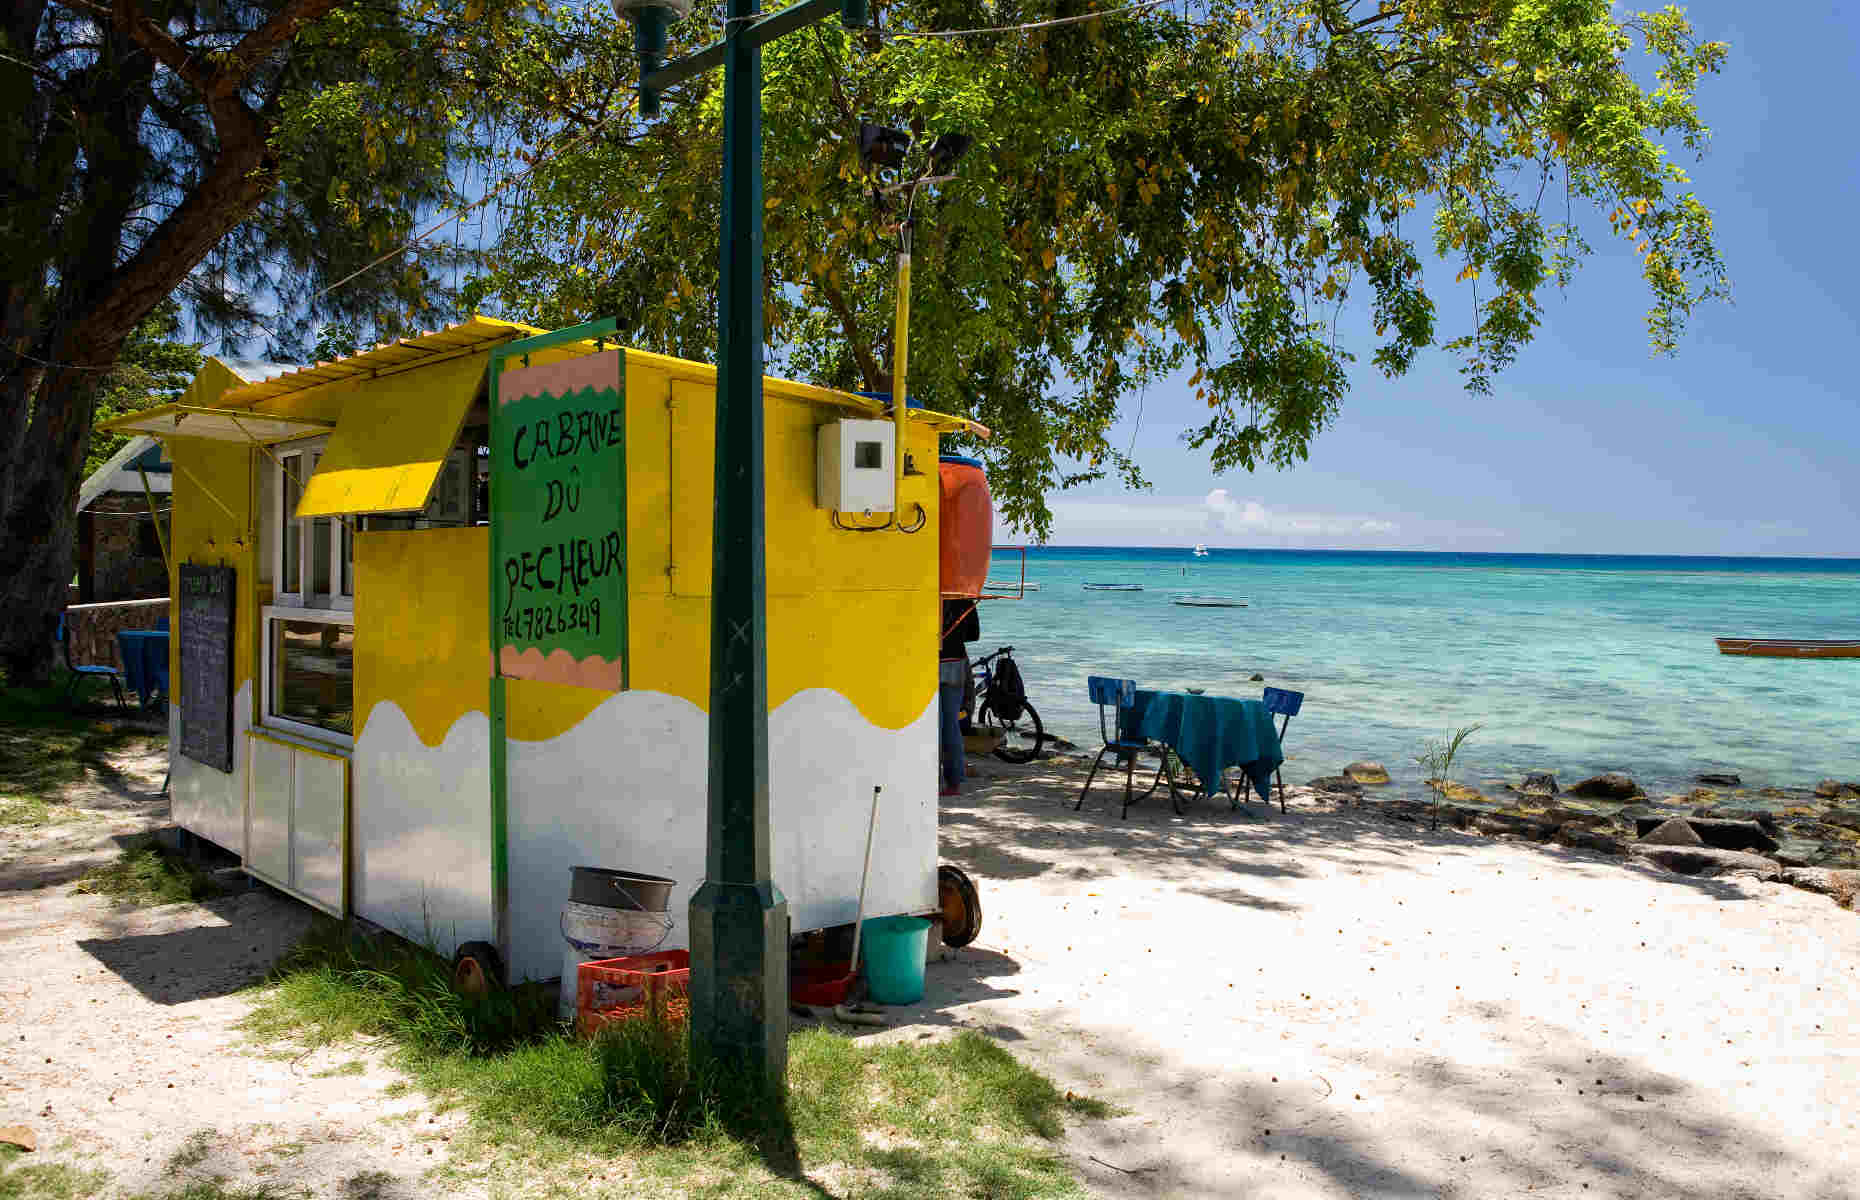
892	949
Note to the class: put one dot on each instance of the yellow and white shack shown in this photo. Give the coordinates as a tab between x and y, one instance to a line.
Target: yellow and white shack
361	547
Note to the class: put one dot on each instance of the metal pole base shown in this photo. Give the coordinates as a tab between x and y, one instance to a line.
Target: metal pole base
739	975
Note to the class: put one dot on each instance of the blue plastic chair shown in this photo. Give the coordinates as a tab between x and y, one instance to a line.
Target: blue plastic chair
1119	694
79	674
1285	705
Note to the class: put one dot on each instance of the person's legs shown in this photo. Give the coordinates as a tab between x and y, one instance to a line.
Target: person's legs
949	697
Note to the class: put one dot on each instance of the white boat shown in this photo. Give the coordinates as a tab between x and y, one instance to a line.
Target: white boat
1201	551
1209	602
1011	585
1112	587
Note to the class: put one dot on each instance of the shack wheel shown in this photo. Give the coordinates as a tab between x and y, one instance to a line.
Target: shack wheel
477	969
961	905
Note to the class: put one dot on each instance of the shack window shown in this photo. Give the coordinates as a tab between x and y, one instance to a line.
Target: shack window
310	661
314	555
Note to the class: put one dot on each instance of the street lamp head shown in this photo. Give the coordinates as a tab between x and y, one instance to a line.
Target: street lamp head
882	147
947	150
651	19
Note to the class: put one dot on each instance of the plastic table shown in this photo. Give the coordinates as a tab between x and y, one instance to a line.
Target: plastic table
145	661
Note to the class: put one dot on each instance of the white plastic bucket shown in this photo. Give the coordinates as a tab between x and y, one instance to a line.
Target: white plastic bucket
590	933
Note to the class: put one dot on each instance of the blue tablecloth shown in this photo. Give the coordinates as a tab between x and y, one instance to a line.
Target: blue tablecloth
1210	734
145	661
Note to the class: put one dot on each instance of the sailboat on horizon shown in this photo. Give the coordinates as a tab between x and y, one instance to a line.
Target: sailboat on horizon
1201	551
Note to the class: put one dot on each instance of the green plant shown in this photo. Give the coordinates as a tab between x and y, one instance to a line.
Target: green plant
44	1181
1436	759
349	982
952	1117
145	874
654	1088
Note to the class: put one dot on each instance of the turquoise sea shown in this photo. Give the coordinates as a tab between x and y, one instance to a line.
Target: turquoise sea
1574	664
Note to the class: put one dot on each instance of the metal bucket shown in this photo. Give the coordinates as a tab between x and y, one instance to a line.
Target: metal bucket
593	932
603	888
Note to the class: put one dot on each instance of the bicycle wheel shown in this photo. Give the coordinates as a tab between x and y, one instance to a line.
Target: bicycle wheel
1020	739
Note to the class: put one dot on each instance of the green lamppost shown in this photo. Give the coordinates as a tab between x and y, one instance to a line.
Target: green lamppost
739	920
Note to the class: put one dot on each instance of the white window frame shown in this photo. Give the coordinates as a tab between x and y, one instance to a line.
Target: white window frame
273	613
309	451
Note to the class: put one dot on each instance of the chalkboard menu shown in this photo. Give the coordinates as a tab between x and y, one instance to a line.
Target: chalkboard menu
206	631
558	511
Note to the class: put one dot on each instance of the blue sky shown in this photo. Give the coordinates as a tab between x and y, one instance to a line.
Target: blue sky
1747	443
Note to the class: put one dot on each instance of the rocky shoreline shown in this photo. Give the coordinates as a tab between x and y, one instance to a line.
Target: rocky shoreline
1806	837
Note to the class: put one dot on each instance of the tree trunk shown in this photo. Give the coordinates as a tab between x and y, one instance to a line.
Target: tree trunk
38	518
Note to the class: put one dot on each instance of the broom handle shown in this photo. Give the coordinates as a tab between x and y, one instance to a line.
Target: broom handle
859	921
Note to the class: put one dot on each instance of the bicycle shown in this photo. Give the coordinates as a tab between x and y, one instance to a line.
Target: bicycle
1011	717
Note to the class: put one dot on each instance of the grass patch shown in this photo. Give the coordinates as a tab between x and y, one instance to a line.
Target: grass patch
192	1153
145	875
354	1066
43	1180
34	812
45	748
954	1117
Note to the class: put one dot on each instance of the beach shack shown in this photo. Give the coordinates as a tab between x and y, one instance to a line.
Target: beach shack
360	547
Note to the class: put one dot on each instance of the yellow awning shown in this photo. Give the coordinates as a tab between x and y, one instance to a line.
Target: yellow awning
215	424
390	446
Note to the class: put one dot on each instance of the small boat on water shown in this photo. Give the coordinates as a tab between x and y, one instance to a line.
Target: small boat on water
1011	585
1209	602
1788	648
1201	551
1112	587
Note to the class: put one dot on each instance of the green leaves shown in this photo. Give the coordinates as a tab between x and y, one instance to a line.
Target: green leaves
1147	197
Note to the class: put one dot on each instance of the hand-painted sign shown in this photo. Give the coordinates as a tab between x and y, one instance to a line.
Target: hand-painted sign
558	512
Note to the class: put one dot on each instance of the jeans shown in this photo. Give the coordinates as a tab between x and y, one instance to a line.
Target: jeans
951	674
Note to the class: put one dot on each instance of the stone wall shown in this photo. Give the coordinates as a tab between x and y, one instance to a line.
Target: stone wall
124	557
93	628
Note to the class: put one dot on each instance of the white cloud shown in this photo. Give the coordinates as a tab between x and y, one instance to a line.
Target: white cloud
1219	519
1226	515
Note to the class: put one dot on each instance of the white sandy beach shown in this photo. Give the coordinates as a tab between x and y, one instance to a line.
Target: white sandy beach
1328	1003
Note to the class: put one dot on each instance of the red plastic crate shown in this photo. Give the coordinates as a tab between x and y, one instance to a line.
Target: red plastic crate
619	989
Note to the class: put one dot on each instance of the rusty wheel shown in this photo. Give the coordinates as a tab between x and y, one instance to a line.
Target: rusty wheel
961	905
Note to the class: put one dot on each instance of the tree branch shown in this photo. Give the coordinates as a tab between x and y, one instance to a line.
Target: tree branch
849	325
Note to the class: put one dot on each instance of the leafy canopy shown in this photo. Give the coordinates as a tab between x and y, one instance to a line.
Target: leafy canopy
1203	189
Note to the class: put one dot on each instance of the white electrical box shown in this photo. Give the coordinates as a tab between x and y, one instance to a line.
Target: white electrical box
855	468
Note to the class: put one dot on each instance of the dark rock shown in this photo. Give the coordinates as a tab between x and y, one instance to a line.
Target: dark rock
1839	884
1843	818
1762	817
1367	772
1791	860
1774	793
1578	838
1256	677
1540	781
1834	789
1732	835
1674	832
1576	817
1706	860
1336	783
1719	778
1513	824
1611	786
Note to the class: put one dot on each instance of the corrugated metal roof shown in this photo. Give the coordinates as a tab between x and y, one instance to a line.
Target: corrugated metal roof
476	334
257	370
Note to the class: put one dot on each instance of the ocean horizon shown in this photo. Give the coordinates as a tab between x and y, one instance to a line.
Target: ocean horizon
1572	663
